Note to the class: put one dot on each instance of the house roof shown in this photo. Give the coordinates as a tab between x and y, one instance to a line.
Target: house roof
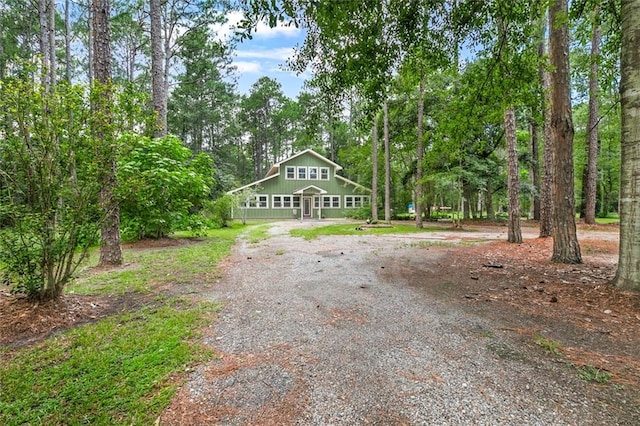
307	151
274	171
310	188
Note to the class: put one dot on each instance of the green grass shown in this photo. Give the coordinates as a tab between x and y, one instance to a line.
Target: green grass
550	346
120	370
350	229
590	373
607	220
258	233
146	268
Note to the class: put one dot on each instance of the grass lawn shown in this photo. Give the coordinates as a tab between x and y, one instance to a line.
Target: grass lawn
123	369
350	229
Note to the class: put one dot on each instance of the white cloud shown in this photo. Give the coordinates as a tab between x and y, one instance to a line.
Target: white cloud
226	30
278	53
248	67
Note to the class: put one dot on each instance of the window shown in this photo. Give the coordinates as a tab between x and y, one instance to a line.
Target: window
259	202
291	172
316	202
331	202
324	173
302	172
355	201
286	201
313	173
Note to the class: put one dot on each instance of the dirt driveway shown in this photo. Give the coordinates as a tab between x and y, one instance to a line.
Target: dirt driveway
386	330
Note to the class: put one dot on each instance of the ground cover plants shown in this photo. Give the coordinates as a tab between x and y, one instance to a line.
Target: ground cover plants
357	229
123	368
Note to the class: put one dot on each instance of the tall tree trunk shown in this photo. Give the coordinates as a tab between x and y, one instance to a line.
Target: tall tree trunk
513	183
628	275
67	42
546	189
488	200
374	171
387	165
110	250
565	242
90	55
592	129
535	168
43	14
157	73
420	143
51	28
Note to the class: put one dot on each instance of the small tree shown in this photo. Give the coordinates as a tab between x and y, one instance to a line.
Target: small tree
48	205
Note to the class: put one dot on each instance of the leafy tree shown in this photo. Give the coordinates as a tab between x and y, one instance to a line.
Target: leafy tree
48	204
161	184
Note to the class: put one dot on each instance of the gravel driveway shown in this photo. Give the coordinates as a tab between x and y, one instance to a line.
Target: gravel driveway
319	332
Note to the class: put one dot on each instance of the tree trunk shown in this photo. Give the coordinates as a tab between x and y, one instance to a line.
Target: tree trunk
90	55
374	171
546	189
43	14
628	275
157	73
420	143
110	250
67	42
513	183
488	201
51	28
535	168
565	242
592	129
387	165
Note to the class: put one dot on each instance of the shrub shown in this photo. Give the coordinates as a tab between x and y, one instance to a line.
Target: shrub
48	203
160	185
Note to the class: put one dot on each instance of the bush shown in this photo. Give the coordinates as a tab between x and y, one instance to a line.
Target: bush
48	201
221	210
362	213
160	185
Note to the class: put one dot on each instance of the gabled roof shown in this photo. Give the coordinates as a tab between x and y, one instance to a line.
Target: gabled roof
249	185
307	151
308	188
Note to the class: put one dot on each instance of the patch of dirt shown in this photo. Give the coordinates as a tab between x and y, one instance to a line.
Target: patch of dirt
595	323
23	322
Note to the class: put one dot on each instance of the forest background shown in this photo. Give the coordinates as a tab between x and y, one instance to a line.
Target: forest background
124	116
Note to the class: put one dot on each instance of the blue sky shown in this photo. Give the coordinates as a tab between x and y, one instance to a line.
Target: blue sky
265	55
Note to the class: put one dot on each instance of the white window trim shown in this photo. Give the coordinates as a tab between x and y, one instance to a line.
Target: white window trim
317	169
331	198
284	198
256	200
357	201
286	173
320	169
306	173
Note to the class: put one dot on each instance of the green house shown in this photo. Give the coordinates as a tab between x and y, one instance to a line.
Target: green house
303	186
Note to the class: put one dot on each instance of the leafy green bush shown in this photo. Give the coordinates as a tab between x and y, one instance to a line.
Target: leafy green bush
48	192
221	210
362	213
160	185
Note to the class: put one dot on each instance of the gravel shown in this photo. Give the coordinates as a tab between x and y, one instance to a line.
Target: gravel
328	332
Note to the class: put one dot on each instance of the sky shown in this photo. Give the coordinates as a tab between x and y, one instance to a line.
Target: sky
265	55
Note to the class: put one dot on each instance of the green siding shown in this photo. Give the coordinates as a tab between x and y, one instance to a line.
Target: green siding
279	185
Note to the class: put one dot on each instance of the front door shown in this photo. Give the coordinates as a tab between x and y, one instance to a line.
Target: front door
306	207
